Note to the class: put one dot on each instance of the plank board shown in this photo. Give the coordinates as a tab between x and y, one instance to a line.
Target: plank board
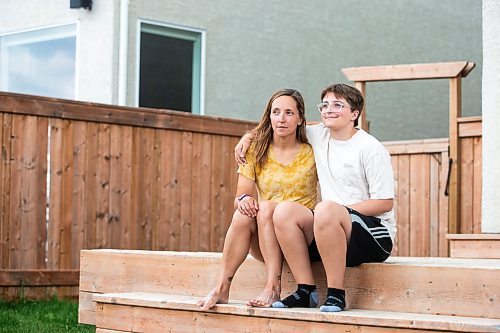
403	217
39	277
102	214
5	186
111	114
440	70
443	205
416	146
434	163
66	191
186	198
91	156
469	126
466	186
145	312
78	217
55	200
474	245
477	185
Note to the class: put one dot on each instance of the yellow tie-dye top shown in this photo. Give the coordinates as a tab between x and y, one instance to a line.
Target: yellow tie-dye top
277	182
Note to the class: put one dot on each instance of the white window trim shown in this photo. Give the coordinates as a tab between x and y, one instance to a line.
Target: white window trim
37	28
178	27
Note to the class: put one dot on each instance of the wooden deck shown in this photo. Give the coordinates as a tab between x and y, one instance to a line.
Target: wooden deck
148	291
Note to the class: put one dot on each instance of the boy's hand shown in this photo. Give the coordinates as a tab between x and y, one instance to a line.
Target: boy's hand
241	149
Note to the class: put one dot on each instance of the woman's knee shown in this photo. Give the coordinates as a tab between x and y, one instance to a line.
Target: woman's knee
282	213
287	214
243	222
265	213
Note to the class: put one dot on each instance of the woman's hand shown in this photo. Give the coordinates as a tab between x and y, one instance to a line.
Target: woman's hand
241	148
248	206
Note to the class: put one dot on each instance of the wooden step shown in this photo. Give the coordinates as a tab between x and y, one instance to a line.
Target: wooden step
474	245
152	312
445	286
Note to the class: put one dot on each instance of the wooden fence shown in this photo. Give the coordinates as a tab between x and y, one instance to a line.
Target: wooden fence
79	175
118	178
421	171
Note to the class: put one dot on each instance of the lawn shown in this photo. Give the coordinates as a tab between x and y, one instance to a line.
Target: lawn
41	316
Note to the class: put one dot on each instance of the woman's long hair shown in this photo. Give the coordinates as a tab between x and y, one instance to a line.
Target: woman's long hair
264	130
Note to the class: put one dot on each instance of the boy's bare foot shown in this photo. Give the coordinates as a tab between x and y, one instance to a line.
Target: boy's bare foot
216	296
265	299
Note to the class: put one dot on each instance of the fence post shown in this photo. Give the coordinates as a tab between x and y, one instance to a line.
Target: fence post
454	190
363	120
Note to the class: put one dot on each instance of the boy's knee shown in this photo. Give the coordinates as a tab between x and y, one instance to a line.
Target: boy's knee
327	214
327	209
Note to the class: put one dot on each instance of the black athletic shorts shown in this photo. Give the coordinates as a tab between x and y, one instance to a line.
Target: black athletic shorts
370	241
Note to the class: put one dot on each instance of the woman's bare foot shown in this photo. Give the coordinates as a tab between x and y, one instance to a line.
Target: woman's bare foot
266	298
218	295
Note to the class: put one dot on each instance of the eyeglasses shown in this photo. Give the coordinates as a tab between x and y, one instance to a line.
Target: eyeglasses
325	106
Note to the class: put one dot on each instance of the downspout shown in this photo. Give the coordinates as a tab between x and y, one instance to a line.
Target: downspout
122	55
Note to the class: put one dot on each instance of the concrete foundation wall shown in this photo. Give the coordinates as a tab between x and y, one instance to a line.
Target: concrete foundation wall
491	112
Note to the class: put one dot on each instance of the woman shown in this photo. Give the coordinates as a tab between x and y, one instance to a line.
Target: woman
280	166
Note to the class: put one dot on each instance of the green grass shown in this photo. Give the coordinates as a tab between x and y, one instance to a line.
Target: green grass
41	316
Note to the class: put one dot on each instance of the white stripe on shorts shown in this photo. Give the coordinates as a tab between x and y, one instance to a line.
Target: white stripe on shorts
376	232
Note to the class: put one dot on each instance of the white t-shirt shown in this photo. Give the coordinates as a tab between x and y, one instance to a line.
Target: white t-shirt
354	170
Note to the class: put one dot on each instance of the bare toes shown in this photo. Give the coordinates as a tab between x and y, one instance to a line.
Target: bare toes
261	304
257	303
264	300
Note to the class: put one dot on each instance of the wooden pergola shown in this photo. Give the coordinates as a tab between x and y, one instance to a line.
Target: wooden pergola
454	72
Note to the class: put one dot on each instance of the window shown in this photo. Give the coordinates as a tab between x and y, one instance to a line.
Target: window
170	68
40	62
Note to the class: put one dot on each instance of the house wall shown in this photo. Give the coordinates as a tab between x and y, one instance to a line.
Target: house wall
256	47
491	125
96	63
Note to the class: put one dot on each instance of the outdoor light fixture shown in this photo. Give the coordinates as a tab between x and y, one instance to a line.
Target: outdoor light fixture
87	4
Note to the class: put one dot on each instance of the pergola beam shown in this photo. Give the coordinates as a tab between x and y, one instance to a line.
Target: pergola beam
439	70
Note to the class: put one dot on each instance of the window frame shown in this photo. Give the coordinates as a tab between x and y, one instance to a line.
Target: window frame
181	32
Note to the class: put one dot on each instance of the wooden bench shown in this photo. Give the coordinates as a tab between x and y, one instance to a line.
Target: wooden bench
147	291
